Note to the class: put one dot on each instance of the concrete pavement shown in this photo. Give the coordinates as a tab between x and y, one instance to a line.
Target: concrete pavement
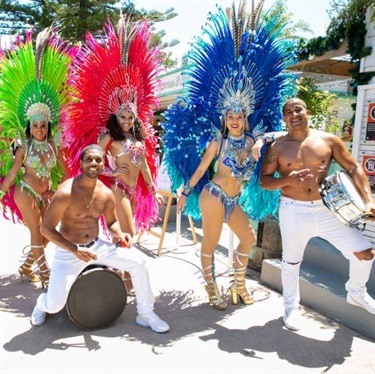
243	339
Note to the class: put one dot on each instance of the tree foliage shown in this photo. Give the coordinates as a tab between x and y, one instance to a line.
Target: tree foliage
293	30
320	104
75	17
347	23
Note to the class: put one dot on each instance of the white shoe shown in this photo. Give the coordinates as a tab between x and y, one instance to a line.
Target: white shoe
38	317
364	301
291	319
153	321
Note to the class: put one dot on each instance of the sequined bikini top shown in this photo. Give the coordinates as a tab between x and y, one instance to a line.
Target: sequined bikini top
34	155
231	148
133	149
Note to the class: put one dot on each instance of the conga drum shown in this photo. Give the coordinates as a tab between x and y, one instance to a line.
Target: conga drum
97	298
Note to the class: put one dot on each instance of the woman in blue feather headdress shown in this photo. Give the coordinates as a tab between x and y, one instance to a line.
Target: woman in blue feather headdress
214	136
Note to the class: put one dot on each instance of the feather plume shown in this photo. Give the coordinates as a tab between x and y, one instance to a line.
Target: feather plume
123	61
40	48
229	59
28	78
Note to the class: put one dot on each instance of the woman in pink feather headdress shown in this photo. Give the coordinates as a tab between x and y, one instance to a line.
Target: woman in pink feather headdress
114	94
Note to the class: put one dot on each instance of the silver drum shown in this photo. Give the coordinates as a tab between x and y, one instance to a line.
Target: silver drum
340	195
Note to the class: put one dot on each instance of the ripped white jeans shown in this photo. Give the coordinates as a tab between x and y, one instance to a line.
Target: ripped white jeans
302	220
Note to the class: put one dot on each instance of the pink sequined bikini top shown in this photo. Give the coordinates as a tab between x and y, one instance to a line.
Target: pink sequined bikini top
132	148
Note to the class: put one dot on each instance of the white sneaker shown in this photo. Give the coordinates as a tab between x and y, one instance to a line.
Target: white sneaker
364	301
291	319
38	317
152	320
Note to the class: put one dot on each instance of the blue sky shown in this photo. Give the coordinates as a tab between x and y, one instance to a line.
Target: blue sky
193	14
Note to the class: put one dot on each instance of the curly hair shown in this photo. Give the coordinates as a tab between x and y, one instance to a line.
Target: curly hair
117	133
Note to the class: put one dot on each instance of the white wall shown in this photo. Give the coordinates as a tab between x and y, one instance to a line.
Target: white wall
363	147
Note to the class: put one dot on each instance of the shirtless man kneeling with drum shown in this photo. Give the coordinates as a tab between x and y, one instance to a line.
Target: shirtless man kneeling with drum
77	205
302	159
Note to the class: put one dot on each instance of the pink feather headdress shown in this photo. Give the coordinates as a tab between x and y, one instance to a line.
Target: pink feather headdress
113	72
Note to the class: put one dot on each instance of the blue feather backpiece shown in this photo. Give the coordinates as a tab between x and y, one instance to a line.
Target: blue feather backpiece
219	63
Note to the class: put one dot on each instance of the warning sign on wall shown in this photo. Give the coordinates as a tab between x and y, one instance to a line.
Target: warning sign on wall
368	164
370	128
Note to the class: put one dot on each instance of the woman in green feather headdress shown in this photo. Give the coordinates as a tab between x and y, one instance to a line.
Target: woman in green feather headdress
32	90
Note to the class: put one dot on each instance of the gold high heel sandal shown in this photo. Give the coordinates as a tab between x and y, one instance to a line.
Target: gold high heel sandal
43	273
214	296
239	291
27	271
26	268
238	288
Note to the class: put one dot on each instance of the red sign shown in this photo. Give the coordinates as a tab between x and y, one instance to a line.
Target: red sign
370	128
368	164
371	113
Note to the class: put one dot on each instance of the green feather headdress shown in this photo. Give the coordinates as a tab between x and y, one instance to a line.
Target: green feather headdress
33	82
33	85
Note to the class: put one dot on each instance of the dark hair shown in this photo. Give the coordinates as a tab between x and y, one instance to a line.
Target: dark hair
28	131
116	132
91	146
294	99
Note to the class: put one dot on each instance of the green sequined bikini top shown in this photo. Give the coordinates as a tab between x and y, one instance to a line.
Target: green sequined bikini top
34	155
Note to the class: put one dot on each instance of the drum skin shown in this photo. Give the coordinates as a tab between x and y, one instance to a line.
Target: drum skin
97	298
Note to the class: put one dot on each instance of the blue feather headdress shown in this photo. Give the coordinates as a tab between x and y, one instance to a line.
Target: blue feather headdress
238	65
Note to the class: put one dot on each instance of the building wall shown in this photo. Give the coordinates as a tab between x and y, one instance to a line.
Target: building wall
364	129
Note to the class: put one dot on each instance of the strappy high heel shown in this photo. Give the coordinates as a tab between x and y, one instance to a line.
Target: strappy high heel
215	298
44	271
238	291
238	288
26	268
28	272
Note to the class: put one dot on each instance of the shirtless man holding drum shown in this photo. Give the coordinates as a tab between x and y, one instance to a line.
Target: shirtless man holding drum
302	159
77	206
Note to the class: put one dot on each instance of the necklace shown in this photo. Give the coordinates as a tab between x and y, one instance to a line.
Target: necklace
237	143
84	196
41	147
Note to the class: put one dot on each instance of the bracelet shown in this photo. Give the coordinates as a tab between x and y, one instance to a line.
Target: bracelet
184	194
151	188
108	172
188	188
270	136
2	194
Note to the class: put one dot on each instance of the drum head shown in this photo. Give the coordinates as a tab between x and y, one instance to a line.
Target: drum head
97	298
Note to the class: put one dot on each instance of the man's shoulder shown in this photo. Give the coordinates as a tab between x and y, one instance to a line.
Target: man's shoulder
323	135
103	188
66	185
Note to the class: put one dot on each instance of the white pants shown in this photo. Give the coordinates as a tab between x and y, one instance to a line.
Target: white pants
302	220
66	267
